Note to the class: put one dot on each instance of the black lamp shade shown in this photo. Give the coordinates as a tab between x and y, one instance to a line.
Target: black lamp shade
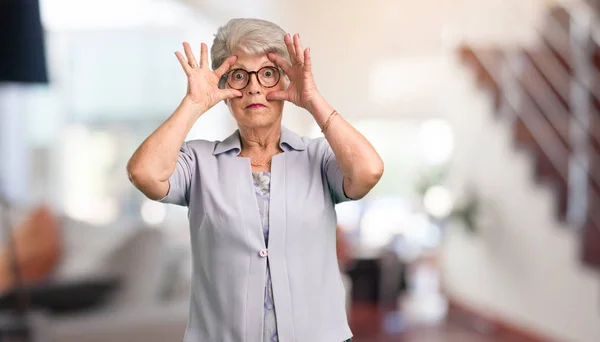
22	55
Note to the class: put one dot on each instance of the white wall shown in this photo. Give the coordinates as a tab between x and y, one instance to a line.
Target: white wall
523	265
14	168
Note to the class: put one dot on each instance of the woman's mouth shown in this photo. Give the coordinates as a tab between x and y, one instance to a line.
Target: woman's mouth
255	105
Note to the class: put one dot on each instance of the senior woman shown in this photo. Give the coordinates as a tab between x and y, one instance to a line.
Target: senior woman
261	202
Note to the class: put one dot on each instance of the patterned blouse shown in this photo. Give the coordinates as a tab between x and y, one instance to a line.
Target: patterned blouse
262	187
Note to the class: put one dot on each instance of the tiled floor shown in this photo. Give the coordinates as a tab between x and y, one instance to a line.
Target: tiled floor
369	325
437	334
420	319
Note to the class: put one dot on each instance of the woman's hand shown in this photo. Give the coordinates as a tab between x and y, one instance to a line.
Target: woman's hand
302	89
203	83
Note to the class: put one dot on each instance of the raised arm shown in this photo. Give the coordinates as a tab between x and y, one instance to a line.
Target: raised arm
361	165
155	160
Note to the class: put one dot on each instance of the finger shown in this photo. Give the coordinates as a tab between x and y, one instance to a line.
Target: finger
229	94
279	61
225	66
290	46
184	64
203	55
307	60
190	55
281	95
298	48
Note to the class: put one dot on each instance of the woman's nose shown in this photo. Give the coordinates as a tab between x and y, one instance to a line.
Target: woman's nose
253	86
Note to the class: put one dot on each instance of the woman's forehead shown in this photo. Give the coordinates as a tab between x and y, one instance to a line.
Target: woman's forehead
250	62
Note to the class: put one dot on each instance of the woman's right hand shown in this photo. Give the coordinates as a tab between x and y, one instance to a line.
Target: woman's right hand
203	83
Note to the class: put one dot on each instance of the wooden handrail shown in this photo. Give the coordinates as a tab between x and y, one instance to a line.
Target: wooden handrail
558	77
554	72
556	42
553	110
542	96
541	130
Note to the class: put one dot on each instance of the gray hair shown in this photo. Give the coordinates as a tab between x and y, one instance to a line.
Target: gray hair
254	37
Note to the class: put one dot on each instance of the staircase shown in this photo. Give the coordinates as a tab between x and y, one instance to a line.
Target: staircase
550	94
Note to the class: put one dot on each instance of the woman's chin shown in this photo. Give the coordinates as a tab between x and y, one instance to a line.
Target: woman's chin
257	110
258	121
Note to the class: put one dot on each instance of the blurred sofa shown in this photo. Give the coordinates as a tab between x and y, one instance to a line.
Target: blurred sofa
151	302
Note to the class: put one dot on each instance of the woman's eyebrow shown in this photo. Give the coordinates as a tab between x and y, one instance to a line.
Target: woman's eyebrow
242	66
267	63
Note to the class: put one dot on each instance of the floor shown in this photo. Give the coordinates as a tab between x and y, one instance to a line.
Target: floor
441	334
370	325
418	317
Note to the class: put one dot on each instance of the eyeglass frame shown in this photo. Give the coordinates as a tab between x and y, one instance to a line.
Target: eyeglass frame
225	77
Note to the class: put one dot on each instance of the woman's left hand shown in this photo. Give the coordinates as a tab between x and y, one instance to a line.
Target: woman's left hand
302	89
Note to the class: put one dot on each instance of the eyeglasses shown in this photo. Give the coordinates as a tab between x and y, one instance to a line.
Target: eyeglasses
267	77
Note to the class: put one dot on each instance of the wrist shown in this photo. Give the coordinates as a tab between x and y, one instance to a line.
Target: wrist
195	107
319	109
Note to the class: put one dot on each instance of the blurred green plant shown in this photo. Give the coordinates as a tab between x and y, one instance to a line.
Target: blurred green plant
465	213
433	175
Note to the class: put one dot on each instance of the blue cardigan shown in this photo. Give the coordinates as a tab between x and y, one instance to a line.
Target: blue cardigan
229	252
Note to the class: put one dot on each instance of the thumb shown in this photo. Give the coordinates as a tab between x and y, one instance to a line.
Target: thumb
229	94
281	95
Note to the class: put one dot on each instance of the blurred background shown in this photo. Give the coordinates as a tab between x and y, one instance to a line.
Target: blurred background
484	227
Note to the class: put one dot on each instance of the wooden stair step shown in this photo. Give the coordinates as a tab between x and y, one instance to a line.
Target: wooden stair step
590	251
